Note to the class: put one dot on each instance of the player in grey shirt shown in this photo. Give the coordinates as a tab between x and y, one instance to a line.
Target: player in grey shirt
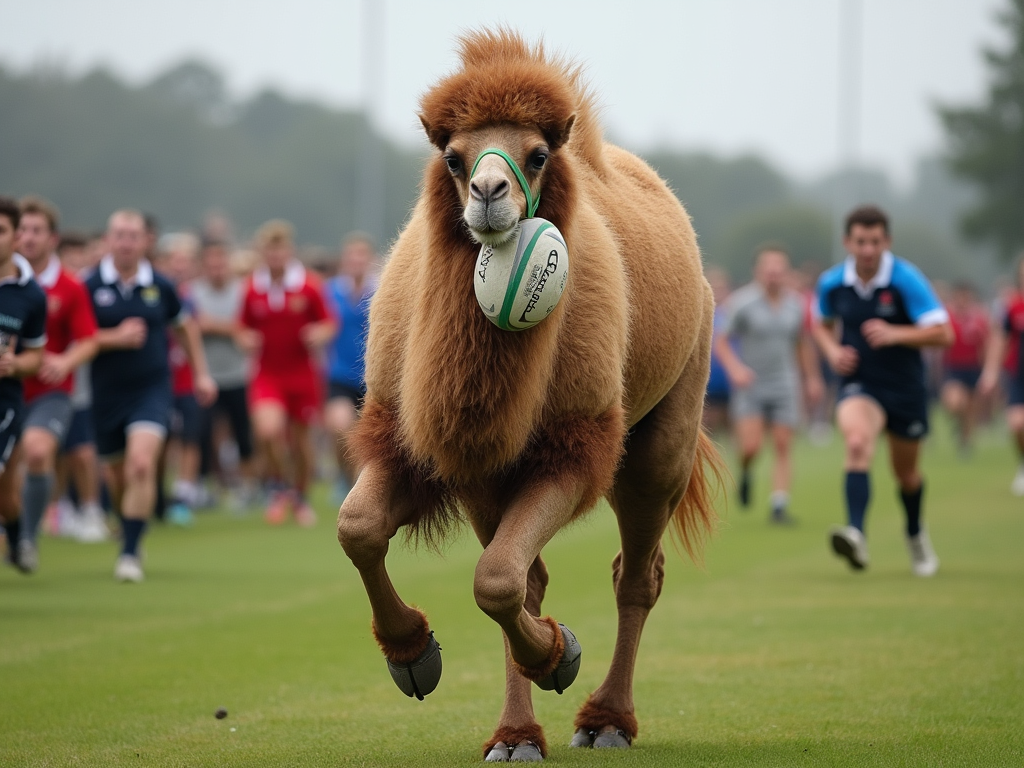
764	361
217	297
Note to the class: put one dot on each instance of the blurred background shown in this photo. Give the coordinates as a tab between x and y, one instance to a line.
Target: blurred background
769	120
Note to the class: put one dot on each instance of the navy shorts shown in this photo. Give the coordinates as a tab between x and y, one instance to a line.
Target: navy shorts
336	389
187	420
80	432
114	414
11	417
1015	391
906	411
966	376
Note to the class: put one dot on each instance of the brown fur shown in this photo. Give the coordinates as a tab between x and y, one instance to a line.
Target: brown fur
408	649
513	735
523	432
555	656
594	717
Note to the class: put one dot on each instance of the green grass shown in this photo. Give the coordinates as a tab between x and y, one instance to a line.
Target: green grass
774	655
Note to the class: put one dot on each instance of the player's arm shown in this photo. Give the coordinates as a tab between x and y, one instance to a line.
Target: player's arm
212	326
814	385
130	333
879	333
56	367
739	373
995	353
187	332
841	359
22	365
322	327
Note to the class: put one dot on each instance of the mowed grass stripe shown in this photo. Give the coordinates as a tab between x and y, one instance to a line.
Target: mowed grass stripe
773	654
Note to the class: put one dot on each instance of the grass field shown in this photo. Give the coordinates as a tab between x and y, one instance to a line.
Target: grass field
774	655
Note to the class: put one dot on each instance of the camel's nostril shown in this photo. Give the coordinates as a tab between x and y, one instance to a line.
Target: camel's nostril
475	191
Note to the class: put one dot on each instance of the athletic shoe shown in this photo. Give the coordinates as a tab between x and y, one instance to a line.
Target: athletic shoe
304	514
28	556
923	560
781	516
277	509
743	489
848	542
180	515
92	528
1017	486
128	569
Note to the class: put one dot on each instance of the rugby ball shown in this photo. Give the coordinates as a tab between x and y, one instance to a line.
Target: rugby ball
519	282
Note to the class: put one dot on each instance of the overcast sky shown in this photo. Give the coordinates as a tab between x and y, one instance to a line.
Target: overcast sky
730	76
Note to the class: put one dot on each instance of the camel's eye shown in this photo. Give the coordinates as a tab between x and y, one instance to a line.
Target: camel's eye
454	164
537	159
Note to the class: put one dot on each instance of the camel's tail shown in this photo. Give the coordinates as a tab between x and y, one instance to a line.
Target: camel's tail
695	518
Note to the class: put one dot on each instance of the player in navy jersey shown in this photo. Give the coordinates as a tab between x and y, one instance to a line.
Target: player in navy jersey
887	311
131	379
22	337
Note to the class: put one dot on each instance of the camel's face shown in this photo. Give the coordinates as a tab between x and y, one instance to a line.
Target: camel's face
492	198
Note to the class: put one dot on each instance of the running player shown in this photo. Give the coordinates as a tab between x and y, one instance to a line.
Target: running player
962	362
1007	342
22	337
766	320
888	312
285	323
131	381
349	295
70	342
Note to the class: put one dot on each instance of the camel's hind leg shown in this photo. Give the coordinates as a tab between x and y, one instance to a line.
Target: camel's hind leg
651	484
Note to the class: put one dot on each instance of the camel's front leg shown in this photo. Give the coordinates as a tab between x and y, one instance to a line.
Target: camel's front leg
537	646
371	515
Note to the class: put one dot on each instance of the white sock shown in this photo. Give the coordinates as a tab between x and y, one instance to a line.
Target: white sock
779	500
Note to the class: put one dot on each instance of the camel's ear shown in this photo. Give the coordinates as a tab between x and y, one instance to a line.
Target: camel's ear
556	137
438	138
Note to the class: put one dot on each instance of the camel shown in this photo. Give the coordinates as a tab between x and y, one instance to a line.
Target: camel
521	433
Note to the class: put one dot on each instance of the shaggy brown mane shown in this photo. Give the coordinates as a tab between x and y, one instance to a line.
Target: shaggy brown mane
505	80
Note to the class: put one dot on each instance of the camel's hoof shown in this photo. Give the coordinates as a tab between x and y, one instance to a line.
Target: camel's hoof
526	752
612	740
569	666
500	753
583	738
420	676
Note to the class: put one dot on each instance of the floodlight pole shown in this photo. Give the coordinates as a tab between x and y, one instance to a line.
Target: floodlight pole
851	44
370	195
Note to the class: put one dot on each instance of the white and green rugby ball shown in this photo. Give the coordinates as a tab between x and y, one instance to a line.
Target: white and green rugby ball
519	283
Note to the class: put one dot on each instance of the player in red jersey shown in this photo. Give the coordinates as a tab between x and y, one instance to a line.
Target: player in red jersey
1008	339
962	362
284	324
70	342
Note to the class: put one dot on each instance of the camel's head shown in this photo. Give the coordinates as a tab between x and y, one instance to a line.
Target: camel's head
494	196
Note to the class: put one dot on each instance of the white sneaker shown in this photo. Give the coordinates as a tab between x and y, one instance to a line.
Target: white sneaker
850	543
1017	486
67	520
128	568
92	528
923	560
28	556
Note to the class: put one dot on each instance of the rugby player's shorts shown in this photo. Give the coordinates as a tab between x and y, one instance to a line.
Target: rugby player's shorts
11	417
1015	391
115	414
776	405
906	411
51	411
187	419
80	432
298	393
966	376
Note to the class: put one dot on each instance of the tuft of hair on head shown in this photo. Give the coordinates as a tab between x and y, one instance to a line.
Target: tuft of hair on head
127	213
275	232
9	209
71	240
771	246
40	206
868	216
359	237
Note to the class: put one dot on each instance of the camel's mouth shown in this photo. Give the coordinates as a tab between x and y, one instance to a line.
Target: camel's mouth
492	224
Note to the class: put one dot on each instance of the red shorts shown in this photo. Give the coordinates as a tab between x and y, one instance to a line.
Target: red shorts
298	393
